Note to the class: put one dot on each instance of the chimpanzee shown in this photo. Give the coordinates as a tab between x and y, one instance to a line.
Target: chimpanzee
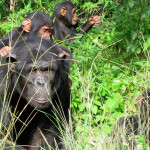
66	21
136	124
41	26
34	94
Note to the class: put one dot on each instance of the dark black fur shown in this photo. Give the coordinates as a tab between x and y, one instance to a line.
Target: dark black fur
38	20
35	75
62	25
136	124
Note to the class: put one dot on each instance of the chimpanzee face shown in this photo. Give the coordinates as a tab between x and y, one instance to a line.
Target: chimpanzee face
45	32
74	17
42	80
69	14
37	80
38	24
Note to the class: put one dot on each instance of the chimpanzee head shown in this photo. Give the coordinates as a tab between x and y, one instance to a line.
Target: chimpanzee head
41	24
66	12
36	71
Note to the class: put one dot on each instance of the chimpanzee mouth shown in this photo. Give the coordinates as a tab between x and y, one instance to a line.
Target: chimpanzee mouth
41	101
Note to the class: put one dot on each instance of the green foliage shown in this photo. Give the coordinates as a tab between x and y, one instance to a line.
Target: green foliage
140	139
100	85
130	19
110	64
4	10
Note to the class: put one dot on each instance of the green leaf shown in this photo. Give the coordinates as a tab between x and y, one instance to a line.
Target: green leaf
94	109
113	102
131	3
133	34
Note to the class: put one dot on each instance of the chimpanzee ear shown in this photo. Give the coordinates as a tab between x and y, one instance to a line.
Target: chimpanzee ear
63	11
62	56
66	52
11	58
26	25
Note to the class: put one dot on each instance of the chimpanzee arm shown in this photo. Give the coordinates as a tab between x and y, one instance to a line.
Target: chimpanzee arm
94	20
58	35
11	36
58	31
85	27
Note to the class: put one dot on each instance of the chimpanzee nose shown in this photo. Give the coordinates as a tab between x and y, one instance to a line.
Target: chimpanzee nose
40	81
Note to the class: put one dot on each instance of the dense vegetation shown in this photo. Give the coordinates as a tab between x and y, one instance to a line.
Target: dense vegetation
110	67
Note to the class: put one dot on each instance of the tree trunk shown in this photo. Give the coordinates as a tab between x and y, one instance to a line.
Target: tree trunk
12	5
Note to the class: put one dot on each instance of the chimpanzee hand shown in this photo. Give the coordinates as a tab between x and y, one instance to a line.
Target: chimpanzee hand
5	50
26	25
95	20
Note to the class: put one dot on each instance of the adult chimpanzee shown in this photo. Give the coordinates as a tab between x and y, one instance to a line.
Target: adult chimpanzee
66	21
41	26
35	95
135	124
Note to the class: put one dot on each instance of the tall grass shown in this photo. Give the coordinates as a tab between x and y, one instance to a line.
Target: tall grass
97	105
110	69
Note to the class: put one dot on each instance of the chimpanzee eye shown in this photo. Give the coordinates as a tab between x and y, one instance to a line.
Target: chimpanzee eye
51	69
34	69
50	31
48	69
44	31
45	69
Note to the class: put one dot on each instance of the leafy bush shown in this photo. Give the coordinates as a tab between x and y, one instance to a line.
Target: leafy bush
110	66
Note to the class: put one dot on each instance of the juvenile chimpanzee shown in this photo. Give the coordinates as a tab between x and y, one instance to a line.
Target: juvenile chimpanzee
41	25
37	96
66	21
136	124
